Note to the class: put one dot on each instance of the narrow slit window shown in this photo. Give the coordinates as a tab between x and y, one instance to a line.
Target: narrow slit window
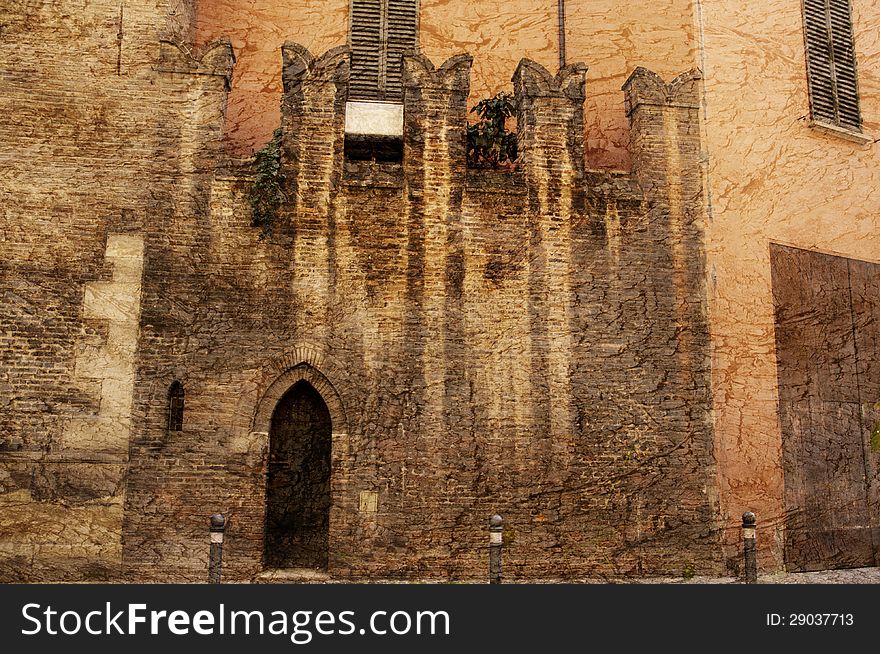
831	63
175	407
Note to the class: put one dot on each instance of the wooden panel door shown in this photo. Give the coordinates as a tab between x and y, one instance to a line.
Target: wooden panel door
865	285
828	514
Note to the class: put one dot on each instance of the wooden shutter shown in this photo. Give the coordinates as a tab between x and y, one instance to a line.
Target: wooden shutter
382	31
366	47
402	20
843	48
831	63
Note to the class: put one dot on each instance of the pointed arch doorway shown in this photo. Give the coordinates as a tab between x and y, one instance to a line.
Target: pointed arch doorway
298	481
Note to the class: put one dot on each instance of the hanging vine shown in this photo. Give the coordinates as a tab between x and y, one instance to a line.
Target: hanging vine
266	194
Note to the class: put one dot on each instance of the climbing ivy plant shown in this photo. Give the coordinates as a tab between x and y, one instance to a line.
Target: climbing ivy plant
489	144
266	194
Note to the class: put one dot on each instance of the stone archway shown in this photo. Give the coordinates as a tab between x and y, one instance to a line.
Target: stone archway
298	481
301	406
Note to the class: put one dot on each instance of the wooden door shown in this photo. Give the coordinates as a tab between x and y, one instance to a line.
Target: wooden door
298	481
825	324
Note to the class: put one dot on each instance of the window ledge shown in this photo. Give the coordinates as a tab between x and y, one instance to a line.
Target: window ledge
842	132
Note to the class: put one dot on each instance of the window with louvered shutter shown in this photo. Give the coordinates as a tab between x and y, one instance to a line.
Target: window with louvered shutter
382	31
831	63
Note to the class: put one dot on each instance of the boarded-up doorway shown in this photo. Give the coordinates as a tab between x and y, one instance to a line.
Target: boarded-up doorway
828	365
298	481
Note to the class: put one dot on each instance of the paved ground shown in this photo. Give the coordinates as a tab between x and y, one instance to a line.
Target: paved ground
854	576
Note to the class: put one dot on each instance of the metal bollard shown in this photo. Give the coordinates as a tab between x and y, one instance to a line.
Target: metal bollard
496	528
215	562
750	554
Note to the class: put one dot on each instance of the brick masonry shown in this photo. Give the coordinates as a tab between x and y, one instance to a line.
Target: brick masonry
533	343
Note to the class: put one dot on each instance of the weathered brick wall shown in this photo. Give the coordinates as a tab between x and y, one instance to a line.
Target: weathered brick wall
532	343
99	150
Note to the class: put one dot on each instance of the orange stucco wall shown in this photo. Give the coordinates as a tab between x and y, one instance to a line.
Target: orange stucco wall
611	37
772	179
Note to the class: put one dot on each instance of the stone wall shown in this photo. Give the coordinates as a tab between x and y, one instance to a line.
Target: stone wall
100	151
530	342
533	343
